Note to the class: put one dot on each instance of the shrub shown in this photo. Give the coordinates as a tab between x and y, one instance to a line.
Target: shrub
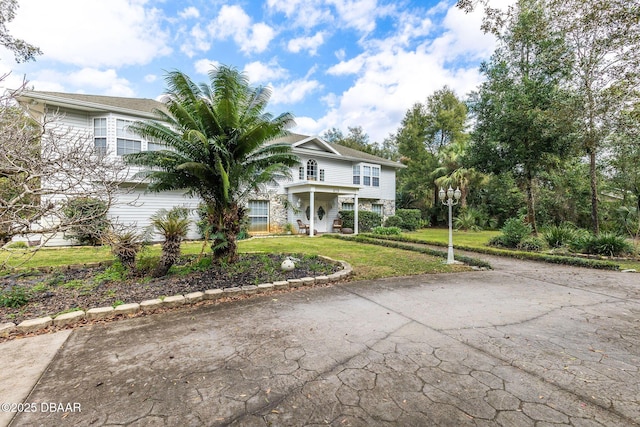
14	297
88	220
20	244
366	220
393	221
498	241
387	231
607	244
531	244
561	235
125	245
467	219
513	231
411	218
173	225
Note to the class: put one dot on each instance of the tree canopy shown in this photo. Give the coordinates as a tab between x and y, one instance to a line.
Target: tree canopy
218	138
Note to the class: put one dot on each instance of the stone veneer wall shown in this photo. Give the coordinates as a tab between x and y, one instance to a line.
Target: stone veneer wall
388	206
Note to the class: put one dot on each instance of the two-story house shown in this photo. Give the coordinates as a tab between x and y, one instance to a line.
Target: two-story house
329	177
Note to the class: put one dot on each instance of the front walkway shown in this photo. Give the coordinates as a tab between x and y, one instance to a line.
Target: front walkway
526	344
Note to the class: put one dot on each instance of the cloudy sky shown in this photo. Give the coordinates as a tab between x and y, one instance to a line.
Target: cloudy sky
332	63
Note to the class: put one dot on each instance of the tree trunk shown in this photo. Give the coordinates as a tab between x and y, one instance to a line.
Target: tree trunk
226	242
594	191
531	212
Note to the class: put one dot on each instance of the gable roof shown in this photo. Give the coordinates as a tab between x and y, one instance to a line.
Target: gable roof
142	107
298	141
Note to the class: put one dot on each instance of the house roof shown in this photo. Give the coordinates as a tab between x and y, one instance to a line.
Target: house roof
98	103
143	107
298	141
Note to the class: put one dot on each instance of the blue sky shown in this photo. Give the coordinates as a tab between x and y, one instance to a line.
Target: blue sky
332	63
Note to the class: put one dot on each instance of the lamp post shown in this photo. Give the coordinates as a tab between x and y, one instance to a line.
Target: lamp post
450	198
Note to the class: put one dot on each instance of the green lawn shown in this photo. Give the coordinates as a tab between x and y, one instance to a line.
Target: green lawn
464	238
368	261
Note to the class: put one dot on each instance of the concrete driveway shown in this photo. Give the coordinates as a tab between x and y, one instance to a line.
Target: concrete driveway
526	344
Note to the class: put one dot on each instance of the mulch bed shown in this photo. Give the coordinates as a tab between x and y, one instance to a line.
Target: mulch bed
52	292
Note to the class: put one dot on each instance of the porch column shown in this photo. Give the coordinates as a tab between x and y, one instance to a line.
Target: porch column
355	213
312	209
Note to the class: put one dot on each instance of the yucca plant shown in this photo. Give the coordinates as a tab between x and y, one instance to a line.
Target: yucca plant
125	245
607	244
173	225
561	235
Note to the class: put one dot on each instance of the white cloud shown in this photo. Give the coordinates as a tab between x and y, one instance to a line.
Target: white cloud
302	13
189	12
310	44
84	33
203	66
233	21
390	75
259	72
85	80
294	91
199	41
358	14
150	78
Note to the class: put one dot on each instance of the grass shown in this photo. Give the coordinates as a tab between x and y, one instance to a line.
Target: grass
368	261
479	239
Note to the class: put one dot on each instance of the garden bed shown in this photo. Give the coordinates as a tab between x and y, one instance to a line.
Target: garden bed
37	293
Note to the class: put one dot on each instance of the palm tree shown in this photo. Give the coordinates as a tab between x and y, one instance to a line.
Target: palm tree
217	137
173	225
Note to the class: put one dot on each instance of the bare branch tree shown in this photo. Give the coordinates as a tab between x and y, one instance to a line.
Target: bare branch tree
44	164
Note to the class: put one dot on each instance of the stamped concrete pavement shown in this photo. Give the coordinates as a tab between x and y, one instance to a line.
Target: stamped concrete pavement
527	344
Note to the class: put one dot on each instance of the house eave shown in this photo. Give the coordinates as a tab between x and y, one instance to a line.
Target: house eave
28	97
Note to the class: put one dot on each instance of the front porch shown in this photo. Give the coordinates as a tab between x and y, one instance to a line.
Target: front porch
316	205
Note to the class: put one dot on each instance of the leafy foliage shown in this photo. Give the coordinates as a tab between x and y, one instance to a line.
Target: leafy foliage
173	225
218	148
89	219
411	218
366	220
607	244
532	244
513	231
14	297
387	231
561	235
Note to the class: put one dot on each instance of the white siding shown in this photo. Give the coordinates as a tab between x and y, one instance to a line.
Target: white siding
136	207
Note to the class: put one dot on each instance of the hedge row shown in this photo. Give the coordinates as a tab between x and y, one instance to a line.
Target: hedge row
533	256
380	241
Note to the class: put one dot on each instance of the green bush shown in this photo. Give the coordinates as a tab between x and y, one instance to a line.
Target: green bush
513	231
366	220
393	221
87	219
561	235
468	219
20	244
531	244
411	218
14	297
607	244
387	231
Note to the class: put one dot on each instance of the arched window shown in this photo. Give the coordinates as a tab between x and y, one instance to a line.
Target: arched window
312	170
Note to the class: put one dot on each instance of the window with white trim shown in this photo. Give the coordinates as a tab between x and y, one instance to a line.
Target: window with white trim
346	206
127	142
322	175
258	215
312	170
377	208
155	146
100	135
366	174
356	174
